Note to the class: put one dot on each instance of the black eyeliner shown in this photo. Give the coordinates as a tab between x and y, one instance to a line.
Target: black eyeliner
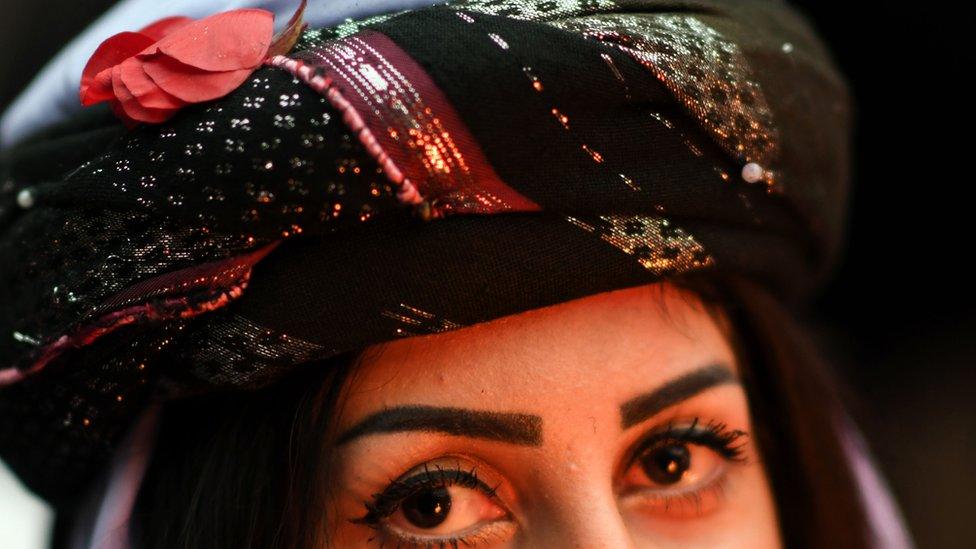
388	501
713	435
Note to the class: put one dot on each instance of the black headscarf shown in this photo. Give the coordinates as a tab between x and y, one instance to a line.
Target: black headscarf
408	174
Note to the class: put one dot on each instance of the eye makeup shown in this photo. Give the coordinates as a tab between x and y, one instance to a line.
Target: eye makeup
438	504
714	435
386	502
675	470
682	469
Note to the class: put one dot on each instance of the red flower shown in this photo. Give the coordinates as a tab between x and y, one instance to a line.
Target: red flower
147	76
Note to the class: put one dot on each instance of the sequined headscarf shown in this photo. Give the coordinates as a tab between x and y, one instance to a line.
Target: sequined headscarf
410	173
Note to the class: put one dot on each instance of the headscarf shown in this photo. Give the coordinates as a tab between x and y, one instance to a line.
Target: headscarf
409	173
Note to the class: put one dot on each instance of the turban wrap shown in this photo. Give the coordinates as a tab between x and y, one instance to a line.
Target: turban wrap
405	174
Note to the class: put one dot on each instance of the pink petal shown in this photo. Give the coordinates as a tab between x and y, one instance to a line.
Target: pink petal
228	41
117	109
165	26
99	89
111	52
146	92
191	84
131	107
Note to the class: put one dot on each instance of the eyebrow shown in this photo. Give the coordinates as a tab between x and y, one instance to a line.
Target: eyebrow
521	429
682	388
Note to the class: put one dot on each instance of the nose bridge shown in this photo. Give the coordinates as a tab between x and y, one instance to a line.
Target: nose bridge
576	509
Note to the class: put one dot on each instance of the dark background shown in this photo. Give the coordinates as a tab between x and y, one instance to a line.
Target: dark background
899	319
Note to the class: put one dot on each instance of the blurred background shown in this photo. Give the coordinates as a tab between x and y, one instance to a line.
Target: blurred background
899	320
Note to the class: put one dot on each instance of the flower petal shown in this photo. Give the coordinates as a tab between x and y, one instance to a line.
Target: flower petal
191	84
126	121
131	107
99	89
146	92
112	51
165	26
228	41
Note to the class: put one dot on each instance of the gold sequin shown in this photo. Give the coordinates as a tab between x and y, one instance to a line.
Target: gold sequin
705	71
659	246
398	105
535	10
414	320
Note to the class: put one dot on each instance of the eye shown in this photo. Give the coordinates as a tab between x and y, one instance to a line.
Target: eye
436	506
666	464
674	465
445	510
682	468
428	508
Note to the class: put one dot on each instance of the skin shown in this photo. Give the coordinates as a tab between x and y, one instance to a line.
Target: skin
572	367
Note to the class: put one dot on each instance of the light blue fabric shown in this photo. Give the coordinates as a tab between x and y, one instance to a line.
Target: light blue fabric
53	94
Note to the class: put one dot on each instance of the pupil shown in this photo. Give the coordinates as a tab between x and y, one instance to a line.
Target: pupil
427	508
666	464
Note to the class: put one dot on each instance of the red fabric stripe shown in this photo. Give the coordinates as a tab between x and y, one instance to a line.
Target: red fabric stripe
409	121
164	297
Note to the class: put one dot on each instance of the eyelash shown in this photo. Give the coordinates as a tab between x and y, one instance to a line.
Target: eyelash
713	435
385	503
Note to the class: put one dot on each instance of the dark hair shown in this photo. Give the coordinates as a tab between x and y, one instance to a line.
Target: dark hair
795	403
250	469
239	469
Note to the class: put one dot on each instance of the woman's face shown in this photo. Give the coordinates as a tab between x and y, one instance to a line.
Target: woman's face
612	421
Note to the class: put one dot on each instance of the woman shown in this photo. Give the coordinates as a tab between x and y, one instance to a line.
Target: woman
499	274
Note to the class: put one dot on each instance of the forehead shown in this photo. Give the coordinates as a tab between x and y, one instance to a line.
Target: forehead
609	346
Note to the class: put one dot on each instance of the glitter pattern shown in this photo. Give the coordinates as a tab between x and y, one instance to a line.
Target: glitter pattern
176	210
228	350
535	10
75	418
218	182
407	125
705	71
398	104
413	321
181	294
659	246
